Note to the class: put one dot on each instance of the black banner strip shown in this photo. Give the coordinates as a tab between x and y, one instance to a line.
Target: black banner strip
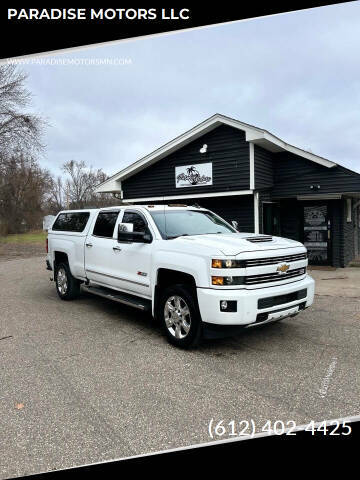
34	30
320	441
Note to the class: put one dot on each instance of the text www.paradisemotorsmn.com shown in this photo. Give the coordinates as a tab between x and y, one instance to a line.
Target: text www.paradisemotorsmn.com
77	62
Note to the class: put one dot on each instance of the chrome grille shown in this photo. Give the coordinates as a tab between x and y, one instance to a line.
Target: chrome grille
258	262
273	277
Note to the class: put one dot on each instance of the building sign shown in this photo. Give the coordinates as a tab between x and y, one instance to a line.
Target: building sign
193	175
316	233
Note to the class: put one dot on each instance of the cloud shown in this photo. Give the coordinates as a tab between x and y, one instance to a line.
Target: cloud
294	74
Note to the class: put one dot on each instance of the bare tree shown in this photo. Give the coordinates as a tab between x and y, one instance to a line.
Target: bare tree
24	188
20	131
56	195
79	188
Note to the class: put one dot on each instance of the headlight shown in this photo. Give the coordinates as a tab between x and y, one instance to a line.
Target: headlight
216	263
227	280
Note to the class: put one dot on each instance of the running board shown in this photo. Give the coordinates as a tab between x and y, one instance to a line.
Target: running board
126	299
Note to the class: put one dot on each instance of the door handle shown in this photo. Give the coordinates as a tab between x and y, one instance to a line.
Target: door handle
89	244
117	249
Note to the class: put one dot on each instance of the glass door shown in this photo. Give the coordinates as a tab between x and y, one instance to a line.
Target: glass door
317	234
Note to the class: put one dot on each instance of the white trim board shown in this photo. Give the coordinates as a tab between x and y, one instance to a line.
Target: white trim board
194	195
256	212
252	165
253	134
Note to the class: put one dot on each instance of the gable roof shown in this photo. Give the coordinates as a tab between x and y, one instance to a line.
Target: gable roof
253	134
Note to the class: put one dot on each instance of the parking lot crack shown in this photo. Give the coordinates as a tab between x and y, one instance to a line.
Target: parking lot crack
5	338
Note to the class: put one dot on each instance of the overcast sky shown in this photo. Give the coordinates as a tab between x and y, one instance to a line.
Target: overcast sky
296	75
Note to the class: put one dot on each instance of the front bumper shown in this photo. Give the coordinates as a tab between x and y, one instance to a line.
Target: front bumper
247	303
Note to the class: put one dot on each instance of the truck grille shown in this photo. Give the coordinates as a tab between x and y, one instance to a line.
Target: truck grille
257	262
269	302
273	277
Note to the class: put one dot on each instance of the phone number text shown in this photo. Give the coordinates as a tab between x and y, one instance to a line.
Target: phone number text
248	428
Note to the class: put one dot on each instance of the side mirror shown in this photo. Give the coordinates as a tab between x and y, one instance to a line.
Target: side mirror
126	234
235	224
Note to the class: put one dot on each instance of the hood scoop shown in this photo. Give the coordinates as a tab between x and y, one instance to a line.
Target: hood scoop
263	238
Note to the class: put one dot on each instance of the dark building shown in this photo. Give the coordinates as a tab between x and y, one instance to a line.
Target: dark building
247	175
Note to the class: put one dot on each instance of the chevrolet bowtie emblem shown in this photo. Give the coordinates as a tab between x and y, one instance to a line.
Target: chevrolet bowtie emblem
283	268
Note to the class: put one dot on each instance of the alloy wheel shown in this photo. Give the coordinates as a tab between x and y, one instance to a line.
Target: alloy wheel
61	281
177	316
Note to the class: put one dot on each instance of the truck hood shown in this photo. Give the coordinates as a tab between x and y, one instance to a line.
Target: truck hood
233	244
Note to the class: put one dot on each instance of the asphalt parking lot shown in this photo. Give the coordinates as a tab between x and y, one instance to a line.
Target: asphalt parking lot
90	380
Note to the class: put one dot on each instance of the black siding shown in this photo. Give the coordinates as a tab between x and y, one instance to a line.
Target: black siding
293	176
227	150
263	166
239	208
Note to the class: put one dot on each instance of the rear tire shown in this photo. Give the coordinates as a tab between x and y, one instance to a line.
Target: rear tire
67	286
180	316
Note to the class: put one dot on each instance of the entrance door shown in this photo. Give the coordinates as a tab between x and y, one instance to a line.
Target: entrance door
317	234
271	218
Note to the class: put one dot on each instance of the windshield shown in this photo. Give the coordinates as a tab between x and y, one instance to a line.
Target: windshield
189	222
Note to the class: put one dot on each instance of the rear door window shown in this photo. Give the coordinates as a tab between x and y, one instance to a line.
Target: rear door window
71	222
105	224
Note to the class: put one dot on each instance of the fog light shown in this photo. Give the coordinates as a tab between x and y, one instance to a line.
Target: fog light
223	305
228	305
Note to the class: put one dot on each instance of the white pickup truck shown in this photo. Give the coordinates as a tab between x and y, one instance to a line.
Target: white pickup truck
191	269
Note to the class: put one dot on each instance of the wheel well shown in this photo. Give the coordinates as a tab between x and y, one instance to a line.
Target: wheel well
61	257
171	277
166	278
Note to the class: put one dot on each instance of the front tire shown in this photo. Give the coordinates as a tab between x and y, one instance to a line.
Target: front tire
67	286
180	316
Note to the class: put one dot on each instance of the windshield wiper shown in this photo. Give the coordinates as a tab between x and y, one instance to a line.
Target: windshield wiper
170	237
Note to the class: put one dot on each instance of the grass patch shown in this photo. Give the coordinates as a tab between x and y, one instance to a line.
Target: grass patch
38	236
